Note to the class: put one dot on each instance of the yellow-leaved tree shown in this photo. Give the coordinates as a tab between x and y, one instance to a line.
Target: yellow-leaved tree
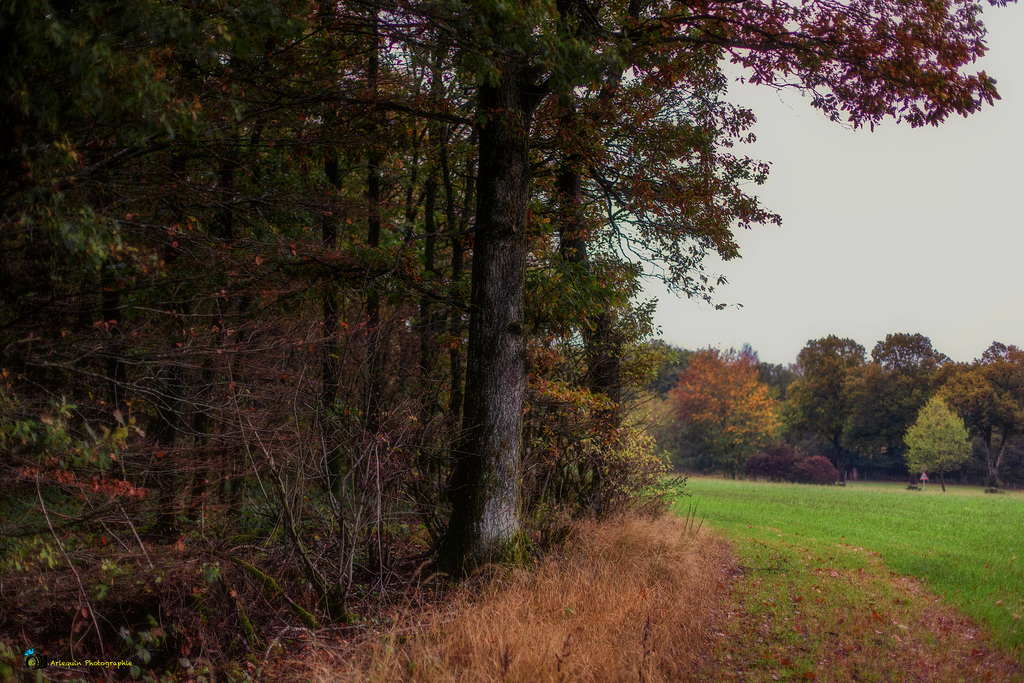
937	441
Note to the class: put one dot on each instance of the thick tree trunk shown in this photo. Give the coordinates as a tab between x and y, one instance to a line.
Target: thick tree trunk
485	482
605	361
203	418
202	426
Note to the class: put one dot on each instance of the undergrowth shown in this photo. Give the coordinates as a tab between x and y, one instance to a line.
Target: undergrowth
627	600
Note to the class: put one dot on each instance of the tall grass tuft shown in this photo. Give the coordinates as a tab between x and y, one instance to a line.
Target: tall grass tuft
629	600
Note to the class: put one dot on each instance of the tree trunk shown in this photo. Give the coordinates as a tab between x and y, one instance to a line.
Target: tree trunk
330	364
429	323
602	350
456	392
994	462
166	427
117	377
484	490
430	318
376	340
993	468
837	444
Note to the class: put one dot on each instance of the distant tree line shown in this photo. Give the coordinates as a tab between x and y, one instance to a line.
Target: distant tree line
835	402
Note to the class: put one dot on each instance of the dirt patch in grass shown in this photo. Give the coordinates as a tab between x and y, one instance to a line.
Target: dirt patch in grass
795	613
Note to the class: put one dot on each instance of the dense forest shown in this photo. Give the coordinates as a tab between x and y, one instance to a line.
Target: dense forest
297	295
725	411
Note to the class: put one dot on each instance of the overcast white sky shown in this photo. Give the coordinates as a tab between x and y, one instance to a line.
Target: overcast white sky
899	230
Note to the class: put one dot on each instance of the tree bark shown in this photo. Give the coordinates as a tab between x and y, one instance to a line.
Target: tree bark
330	364
456	392
376	339
430	319
994	462
485	482
838	445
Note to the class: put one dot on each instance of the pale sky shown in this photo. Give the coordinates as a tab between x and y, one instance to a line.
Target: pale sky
896	230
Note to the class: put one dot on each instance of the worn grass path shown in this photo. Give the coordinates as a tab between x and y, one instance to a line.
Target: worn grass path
866	583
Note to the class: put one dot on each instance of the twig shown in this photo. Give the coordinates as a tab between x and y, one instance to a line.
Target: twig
136	534
81	586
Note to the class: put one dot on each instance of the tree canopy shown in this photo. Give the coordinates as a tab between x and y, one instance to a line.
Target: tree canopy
989	395
818	402
937	440
886	395
725	406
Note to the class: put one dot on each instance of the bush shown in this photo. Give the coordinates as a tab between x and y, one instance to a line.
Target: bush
775	464
784	463
815	470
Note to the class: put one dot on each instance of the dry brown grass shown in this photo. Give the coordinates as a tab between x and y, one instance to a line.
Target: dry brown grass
629	601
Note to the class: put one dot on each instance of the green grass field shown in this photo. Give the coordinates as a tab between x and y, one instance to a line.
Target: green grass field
966	546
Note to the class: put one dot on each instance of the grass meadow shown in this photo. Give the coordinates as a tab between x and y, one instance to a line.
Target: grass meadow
964	546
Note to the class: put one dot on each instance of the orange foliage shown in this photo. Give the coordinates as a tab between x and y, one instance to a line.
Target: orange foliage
720	399
97	485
